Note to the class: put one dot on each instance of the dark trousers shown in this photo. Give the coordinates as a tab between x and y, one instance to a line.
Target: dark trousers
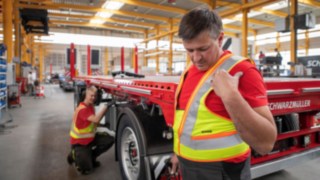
30	89
85	155
214	170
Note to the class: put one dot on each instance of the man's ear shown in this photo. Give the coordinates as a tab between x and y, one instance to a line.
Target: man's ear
220	39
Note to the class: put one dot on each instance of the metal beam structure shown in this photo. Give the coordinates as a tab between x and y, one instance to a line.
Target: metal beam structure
250	5
106	61
310	2
256	21
59	6
228	26
227	13
7	28
17	46
244	34
86	24
110	20
154	6
294	39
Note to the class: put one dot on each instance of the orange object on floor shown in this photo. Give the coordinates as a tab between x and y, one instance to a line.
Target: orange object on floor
40	91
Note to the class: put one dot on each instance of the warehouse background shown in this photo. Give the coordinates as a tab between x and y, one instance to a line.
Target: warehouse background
39	35
151	25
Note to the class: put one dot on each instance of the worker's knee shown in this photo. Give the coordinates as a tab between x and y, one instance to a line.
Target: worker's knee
83	160
109	140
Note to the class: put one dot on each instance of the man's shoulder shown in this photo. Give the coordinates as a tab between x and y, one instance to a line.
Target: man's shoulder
245	67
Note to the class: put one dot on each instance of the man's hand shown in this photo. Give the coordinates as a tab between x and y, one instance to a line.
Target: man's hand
111	103
224	84
175	164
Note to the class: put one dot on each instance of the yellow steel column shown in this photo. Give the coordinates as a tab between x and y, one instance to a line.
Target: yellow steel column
41	59
157	48
145	59
17	46
213	4
106	62
278	44
170	47
307	42
132	58
255	43
32	50
28	48
293	47
24	47
7	28
244	30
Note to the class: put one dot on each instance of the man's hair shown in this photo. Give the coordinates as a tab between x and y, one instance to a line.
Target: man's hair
92	88
199	20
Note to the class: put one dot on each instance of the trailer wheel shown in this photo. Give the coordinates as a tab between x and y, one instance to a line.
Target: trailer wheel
130	149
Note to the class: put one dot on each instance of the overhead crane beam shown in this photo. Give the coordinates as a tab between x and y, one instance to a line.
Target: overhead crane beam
256	21
250	5
160	35
59	6
310	2
226	13
272	12
112	20
235	5
154	6
228	26
85	24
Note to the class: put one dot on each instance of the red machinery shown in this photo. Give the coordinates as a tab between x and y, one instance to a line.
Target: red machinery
23	86
14	95
143	116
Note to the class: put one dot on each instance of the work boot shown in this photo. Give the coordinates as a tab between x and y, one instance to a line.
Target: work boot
70	159
83	172
96	164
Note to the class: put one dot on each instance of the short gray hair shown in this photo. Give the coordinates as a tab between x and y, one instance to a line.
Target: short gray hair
199	20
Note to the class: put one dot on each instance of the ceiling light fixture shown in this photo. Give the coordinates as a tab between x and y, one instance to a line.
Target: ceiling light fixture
135	9
173	2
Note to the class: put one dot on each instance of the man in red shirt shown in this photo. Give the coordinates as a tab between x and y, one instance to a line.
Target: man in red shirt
86	144
221	106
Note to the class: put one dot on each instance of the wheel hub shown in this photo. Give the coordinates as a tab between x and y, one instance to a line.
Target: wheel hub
130	154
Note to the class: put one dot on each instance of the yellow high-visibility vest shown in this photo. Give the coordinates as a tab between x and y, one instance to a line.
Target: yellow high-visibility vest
200	134
83	133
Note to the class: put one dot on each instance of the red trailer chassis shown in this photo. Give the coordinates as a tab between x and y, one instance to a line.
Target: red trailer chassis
143	116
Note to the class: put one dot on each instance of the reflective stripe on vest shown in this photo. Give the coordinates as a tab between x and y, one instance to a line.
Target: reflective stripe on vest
202	135
87	132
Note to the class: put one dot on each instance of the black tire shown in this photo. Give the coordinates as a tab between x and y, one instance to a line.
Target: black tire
131	147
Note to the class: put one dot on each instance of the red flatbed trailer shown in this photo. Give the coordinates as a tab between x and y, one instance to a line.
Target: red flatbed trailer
144	111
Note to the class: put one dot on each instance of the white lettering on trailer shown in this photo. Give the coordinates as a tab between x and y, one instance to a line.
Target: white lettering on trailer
289	104
313	63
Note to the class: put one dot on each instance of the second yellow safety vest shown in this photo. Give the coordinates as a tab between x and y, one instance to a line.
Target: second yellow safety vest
83	133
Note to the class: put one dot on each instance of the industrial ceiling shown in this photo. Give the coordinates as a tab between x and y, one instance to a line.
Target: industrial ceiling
156	16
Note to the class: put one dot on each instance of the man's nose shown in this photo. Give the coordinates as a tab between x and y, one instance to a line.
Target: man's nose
196	55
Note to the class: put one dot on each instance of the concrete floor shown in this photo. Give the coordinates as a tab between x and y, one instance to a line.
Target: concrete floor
36	149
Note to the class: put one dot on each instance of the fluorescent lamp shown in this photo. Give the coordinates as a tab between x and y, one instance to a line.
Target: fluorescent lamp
227	21
97	21
275	6
104	14
112	5
250	14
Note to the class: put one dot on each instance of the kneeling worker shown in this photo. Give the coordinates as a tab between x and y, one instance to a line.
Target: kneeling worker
86	144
